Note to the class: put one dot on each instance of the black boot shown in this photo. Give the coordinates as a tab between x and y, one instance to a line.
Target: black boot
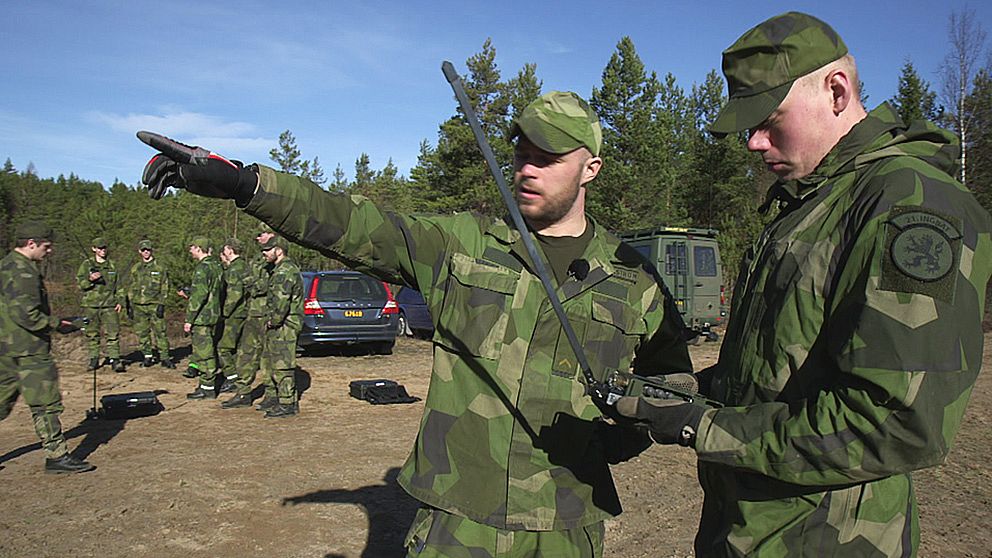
94	363
283	410
228	386
267	403
67	464
239	400
117	365
167	363
191	372
201	393
149	360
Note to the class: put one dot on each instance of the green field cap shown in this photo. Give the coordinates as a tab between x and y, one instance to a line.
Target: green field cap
234	243
201	242
276	241
762	65
99	242
559	122
145	245
35	230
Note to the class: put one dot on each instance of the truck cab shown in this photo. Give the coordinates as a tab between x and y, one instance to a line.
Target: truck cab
688	259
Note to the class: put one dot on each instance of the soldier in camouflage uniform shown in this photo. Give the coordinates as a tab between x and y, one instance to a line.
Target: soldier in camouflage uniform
147	290
249	356
512	458
203	318
236	281
855	334
283	321
26	365
102	303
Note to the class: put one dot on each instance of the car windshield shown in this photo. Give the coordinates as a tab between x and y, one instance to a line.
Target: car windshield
347	287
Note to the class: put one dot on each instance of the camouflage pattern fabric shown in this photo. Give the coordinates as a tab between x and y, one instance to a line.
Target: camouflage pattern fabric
26	365
236	277
249	356
854	340
98	301
204	353
205	296
148	286
107	321
284	319
437	534
508	437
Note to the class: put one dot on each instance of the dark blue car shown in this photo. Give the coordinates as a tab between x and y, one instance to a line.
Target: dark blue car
414	319
347	308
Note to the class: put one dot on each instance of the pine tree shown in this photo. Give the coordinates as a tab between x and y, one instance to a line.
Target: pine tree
915	100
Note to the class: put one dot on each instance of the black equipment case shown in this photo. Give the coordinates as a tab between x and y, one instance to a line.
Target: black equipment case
130	405
380	392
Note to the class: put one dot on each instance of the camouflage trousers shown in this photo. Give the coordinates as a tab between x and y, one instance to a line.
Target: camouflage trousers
438	534
36	378
227	347
147	325
279	364
249	357
204	353
109	321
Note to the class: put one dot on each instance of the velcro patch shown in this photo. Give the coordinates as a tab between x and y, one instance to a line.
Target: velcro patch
922	251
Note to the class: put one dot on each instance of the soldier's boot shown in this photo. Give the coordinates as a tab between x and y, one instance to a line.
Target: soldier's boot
149	360
202	392
191	372
67	464
267	403
228	385
239	400
283	410
167	363
117	365
94	363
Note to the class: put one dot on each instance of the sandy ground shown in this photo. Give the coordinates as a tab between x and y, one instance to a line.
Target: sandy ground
197	480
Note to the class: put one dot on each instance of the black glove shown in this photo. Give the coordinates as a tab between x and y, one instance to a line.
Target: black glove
75	324
197	170
669	421
160	311
130	312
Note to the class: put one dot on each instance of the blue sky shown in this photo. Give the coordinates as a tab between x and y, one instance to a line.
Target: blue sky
80	78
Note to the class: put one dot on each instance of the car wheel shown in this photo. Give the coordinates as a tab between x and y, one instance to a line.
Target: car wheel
402	326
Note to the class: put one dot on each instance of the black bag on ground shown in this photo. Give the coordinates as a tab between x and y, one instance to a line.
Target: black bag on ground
380	392
130	405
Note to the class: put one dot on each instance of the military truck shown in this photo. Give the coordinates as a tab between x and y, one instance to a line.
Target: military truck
688	259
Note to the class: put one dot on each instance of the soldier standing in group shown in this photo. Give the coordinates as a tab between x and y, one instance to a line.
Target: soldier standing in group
236	282
203	316
249	356
147	291
26	365
283	321
855	333
101	302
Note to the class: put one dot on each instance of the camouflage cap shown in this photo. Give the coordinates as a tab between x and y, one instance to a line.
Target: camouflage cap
35	230
145	245
99	242
263	228
201	242
764	62
275	241
235	244
559	122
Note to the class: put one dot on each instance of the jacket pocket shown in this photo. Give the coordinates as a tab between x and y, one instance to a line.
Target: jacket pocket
614	333
476	306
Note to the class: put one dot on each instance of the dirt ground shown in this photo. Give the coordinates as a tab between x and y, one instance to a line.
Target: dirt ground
197	480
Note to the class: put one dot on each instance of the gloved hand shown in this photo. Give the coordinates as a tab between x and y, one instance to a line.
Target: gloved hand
669	421
197	170
160	311
130	311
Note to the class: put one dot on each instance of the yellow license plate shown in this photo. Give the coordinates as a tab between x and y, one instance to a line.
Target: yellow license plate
353	313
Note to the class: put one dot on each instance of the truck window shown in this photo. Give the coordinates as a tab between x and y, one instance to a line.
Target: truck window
675	259
705	261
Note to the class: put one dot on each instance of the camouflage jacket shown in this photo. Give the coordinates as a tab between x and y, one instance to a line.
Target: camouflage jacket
102	293
508	437
148	283
25	317
284	301
206	292
257	285
854	340
237	278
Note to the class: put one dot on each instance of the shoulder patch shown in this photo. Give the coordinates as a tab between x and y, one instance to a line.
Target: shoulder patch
922	251
628	275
